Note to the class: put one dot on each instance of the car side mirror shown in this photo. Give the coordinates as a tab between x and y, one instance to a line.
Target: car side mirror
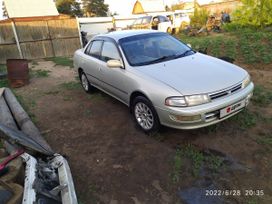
115	64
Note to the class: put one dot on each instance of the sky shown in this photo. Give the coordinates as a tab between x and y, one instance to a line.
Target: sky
122	7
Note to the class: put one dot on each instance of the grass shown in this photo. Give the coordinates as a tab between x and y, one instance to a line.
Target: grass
196	157
177	166
198	160
245	119
72	85
3	68
39	73
266	140
34	63
3	83
27	105
262	96
64	61
252	46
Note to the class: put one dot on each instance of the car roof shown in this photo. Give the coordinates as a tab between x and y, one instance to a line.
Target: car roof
117	35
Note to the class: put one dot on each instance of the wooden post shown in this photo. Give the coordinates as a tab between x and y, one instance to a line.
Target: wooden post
16	39
78	28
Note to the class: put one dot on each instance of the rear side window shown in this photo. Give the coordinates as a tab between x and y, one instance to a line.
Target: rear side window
163	19
138	21
109	52
95	49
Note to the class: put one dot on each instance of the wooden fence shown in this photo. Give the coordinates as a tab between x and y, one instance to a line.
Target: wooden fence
35	39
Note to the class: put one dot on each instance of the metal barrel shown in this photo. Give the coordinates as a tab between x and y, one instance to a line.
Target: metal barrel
18	72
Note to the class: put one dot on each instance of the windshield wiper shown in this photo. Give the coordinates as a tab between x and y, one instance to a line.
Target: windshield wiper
183	54
162	59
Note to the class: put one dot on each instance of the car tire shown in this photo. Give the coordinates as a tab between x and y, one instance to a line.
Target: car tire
85	82
169	30
145	115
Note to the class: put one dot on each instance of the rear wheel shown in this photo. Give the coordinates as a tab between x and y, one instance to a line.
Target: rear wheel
85	82
145	115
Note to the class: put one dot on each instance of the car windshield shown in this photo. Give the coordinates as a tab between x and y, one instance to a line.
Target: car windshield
153	48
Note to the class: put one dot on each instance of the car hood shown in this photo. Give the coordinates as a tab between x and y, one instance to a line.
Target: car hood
195	74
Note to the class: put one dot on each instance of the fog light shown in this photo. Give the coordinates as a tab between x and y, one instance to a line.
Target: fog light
182	118
248	98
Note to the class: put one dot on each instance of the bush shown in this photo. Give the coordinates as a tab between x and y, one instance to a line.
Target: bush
255	13
199	18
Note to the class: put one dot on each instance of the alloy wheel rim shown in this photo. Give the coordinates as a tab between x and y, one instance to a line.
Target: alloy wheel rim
84	82
144	116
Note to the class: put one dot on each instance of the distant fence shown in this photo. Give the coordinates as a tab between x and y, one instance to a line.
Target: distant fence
34	39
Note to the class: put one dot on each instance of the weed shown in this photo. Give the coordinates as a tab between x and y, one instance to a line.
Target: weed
196	157
3	68
262	96
34	63
52	92
39	73
244	119
253	46
67	98
72	85
214	162
157	136
27	105
177	165
3	83
97	96
266	140
64	61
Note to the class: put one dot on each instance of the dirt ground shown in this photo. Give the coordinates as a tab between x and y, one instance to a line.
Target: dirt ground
112	161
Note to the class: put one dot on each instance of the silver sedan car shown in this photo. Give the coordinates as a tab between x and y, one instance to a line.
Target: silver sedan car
162	80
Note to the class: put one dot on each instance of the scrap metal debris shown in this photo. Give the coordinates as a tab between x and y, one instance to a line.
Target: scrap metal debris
48	178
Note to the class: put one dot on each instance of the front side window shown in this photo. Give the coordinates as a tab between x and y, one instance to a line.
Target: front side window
109	52
95	49
153	48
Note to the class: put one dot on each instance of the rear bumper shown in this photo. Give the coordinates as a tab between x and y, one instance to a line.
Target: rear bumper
208	113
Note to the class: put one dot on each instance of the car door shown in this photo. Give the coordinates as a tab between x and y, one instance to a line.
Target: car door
164	23
115	79
92	62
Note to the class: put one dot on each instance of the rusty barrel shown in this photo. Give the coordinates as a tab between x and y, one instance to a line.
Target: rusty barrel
18	72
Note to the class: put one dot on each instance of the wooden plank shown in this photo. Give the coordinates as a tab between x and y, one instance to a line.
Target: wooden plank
63	28
8	52
37	50
6	33
66	47
32	31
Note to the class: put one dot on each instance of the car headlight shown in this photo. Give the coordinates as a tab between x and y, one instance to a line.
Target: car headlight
183	101
176	101
246	81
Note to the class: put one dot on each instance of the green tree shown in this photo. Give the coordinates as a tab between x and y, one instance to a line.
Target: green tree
69	7
95	7
199	18
254	13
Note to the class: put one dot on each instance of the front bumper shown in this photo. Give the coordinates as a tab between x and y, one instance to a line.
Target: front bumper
209	112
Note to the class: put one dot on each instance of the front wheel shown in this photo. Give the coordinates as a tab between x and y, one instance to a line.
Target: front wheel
169	30
145	115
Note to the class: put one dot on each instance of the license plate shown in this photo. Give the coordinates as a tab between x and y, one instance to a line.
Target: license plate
232	108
